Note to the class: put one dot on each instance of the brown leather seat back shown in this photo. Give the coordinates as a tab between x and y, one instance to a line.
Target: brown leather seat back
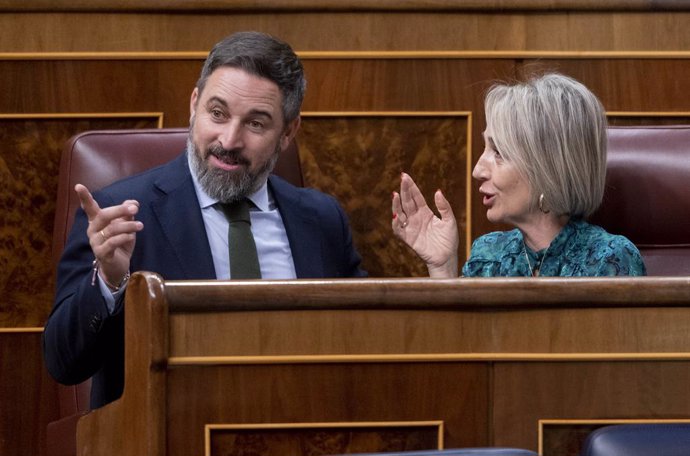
99	158
647	197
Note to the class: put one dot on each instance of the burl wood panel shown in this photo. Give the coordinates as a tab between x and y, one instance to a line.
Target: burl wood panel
313	440
28	397
330	393
358	159
29	157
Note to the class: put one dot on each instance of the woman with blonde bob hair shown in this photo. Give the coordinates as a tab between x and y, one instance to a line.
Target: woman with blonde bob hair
542	171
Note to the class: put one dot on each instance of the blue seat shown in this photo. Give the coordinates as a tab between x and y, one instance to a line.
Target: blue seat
657	439
457	452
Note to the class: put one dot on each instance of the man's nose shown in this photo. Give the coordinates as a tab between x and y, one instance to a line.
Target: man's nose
232	136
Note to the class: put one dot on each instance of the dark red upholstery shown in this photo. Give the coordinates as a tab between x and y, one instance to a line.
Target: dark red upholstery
96	159
647	197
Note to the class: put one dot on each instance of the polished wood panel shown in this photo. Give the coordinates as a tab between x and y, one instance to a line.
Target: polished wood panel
348	30
394	350
584	390
332	393
100	86
28	397
572	319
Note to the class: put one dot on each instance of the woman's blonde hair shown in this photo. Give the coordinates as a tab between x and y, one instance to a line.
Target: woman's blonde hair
554	130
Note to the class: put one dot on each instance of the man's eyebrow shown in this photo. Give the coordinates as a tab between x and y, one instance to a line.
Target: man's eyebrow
217	100
253	112
261	112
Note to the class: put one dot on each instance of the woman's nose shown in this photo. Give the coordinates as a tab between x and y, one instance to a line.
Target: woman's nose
481	170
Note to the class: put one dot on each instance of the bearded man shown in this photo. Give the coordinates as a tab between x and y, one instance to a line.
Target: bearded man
244	111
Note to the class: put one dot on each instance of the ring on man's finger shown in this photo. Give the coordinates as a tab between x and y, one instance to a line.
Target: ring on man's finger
105	238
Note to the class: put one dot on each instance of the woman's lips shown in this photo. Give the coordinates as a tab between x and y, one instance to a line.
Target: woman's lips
488	198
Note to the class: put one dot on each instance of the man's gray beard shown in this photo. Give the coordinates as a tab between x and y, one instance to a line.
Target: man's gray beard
222	185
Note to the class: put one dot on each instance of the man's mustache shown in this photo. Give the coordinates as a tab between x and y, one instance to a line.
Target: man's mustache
227	155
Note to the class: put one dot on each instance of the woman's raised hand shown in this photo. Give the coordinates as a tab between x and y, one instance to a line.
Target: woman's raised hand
434	239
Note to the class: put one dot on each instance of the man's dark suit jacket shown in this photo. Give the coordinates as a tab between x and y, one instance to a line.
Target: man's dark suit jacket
82	340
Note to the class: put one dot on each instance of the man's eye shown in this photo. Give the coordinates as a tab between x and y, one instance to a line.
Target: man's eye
255	124
216	113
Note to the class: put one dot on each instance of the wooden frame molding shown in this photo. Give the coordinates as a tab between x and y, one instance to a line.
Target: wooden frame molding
209	428
86	115
317	55
487	6
348	55
648	114
181	361
26	330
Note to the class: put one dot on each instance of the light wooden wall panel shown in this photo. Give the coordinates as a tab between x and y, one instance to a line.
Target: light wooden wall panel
584	390
291	393
317	30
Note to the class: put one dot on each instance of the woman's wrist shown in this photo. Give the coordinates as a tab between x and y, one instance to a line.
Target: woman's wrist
447	270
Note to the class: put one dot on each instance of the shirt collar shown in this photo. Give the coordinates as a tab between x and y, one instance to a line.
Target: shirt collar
259	198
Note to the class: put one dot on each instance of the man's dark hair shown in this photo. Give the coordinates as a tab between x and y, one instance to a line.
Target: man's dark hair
264	56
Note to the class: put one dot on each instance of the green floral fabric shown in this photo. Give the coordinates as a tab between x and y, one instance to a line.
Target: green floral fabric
579	250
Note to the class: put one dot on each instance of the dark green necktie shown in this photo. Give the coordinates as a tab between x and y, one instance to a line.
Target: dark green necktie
244	261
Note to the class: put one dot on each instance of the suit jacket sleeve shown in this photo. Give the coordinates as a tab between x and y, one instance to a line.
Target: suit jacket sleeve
78	334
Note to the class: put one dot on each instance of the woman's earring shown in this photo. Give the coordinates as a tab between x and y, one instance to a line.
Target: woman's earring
541	204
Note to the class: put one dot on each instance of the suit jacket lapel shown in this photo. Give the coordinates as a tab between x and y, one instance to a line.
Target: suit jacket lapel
302	228
180	218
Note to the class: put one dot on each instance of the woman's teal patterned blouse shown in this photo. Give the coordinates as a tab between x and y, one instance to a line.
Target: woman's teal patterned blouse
580	249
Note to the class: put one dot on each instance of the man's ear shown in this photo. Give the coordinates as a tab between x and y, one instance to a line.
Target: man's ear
192	104
289	133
